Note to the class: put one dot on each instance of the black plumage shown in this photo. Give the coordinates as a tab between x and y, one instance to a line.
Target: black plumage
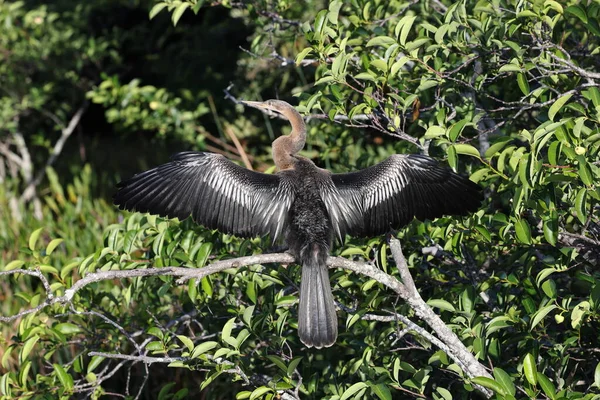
303	205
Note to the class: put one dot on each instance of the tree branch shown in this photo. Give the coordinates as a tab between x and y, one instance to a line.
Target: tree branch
32	183
446	339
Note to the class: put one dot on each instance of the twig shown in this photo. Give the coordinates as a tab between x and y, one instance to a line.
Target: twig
29	191
238	146
140	358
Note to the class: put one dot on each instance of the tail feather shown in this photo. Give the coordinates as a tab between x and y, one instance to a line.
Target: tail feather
317	319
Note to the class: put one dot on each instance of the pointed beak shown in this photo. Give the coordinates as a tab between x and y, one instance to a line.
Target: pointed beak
255	104
272	112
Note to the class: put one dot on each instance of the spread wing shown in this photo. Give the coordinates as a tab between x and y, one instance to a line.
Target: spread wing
214	191
390	194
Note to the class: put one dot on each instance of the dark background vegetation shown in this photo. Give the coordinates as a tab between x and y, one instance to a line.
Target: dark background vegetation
504	91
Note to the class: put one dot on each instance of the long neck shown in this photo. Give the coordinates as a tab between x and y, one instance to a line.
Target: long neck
285	147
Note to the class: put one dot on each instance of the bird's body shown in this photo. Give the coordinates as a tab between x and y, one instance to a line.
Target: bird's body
309	237
302	205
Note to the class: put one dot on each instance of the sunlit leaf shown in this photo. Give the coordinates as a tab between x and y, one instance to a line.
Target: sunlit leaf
530	369
558	105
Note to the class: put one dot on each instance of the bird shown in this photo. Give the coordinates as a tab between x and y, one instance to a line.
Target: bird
304	206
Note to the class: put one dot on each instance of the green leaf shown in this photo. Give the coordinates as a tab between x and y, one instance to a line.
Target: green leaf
524	176
16	264
34	238
558	104
577	11
580	205
206	285
397	65
155	331
258	392
334	11
541	314
543	274
530	370
444	393
579	311
67	328
466	149
593	93
415	44
554	5
382	391
94	363
247	316
203	254
597	376
302	55
505	380
579	124
527	14
523	83
27	347
65	379
482	229
156	9
155	346
52	245
554	152
179	12
203	348
441	304
226	332
452	157
510	68
384	41
523	231
403	28
585	172
549	288
352	390
490	384
187	342
293	365
325	79
380	65
546	385
434	131
198	6
551	228
278	362
365	76
5	383
457	128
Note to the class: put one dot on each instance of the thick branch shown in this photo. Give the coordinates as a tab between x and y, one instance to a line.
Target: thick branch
447	340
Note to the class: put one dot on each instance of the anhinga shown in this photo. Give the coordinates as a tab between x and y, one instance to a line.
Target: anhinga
302	204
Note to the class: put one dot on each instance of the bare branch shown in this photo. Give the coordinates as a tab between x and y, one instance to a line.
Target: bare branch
447	340
29	191
141	358
238	146
6	152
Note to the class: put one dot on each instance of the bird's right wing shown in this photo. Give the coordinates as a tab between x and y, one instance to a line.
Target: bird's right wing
390	194
216	192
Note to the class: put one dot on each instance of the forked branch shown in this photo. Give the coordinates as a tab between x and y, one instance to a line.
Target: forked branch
444	338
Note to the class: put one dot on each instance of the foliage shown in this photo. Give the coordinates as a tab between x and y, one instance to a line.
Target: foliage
505	91
147	108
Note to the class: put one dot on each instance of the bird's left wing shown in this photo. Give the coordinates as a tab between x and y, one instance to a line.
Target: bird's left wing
216	192
390	194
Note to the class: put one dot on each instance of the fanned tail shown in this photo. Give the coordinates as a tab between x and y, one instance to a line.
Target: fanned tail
317	319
